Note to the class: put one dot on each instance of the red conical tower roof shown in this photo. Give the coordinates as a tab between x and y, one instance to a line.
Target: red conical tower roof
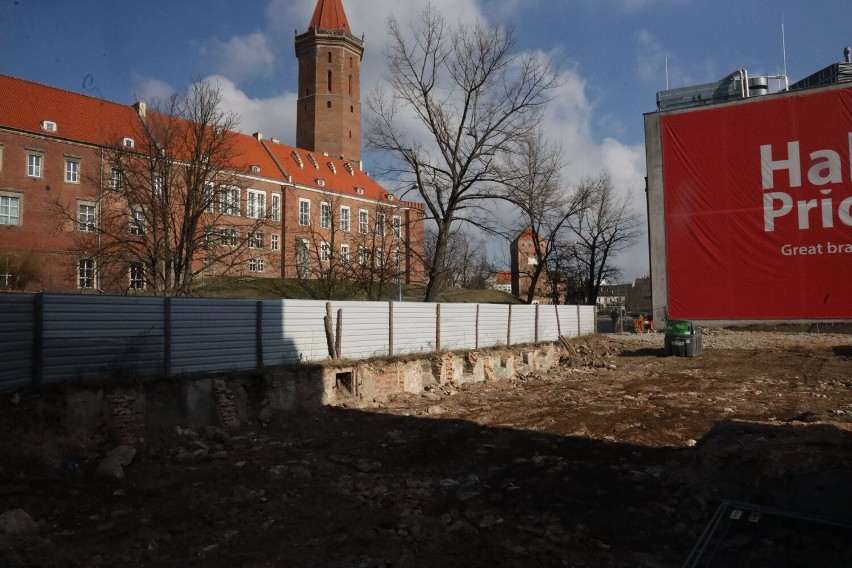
329	15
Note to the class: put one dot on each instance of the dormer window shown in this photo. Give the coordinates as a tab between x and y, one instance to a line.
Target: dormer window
128	142
332	168
320	182
349	168
390	197
298	158
48	126
255	169
313	161
359	190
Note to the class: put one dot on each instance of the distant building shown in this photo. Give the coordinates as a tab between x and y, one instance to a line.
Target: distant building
501	280
524	262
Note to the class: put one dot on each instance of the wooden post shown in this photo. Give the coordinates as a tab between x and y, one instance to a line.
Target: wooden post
579	323
167	337
558	325
329	331
438	328
390	329
338	336
536	323
258	333
509	328
38	340
477	327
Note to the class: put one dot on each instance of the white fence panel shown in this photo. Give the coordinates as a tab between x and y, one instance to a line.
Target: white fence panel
523	324
458	326
587	320
213	335
568	320
493	325
293	331
414	327
548	330
365	329
101	336
17	327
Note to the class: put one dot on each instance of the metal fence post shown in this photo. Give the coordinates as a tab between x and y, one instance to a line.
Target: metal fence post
167	337
38	340
258	333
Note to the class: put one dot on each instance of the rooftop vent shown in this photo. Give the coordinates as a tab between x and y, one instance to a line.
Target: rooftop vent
313	161
298	158
258	135
349	169
332	168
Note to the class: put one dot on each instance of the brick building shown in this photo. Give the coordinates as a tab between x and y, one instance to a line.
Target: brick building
524	261
291	205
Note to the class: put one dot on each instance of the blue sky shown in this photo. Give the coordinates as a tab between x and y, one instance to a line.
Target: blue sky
612	54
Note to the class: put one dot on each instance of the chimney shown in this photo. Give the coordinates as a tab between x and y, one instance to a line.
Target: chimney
140	107
847	54
258	135
275	140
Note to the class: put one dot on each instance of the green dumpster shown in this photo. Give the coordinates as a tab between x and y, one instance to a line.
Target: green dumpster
682	339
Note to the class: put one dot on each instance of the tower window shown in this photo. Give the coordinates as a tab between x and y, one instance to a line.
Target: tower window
329	57
329	80
351	108
328	104
350	85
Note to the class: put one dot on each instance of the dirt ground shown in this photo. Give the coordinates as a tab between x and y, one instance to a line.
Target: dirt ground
620	457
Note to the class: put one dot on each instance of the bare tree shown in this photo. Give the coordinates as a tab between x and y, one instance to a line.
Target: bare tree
378	261
597	234
472	97
169	208
466	261
533	185
18	268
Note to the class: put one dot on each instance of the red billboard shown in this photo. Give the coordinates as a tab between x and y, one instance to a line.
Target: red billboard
758	208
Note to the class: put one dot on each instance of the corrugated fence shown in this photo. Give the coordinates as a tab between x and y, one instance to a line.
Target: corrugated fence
54	338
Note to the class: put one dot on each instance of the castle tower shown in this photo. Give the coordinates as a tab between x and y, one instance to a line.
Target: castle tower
328	115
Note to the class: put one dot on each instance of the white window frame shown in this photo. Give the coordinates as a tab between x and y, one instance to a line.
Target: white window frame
10	210
304	212
229	237
344	253
275	212
137	222
380	223
87	224
325	251
325	215
345	218
229	201
303	258
363	256
257	265
274	242
209	197
255	204
136	274
72	170
35	163
255	240
86	274
115	178
397	226
363	221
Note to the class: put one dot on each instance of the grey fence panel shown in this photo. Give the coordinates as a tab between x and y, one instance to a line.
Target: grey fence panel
414	327
97	337
548	330
293	331
17	327
365	329
458	326
523	324
213	335
568	320
493	325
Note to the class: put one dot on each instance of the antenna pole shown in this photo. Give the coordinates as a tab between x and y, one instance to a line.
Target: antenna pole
784	51
667	71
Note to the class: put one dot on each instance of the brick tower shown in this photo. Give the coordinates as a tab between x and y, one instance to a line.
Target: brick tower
328	115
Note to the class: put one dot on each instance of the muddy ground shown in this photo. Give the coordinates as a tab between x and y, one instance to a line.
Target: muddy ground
620	457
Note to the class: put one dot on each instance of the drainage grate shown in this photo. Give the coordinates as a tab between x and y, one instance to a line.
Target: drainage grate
753	536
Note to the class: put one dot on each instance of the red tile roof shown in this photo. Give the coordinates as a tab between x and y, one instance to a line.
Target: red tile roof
504	277
26	105
329	15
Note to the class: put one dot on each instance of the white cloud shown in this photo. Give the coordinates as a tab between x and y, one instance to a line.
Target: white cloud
273	116
149	89
242	57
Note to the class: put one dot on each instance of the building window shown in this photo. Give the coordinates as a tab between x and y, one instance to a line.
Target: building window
256	204
137	222
325	215
397	227
302	258
86	273
363	221
344	218
137	276
329	57
363	256
276	207
230	201
304	212
229	237
344	253
208	198
255	240
86	217
350	85
72	171
325	252
10	210
34	165
157	184
329	80
257	265
380	259
398	258
380	224
274	241
115	178
328	104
